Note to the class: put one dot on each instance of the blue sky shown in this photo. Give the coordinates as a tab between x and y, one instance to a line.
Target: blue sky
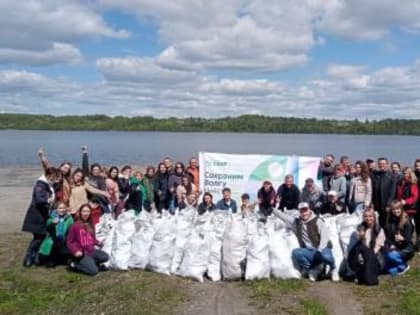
340	59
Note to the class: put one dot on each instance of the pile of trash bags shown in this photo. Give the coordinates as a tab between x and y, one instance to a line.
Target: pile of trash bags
219	244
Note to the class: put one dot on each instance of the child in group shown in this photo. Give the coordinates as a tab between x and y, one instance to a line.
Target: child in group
81	243
53	250
399	245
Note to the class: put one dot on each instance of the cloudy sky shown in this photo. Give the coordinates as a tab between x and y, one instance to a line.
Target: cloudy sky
340	59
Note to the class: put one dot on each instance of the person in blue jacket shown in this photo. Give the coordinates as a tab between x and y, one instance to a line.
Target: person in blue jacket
227	202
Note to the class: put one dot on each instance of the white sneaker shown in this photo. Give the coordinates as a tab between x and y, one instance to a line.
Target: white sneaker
313	274
334	276
405	270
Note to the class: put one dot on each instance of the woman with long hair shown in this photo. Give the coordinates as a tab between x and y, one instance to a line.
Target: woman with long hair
43	197
399	245
79	191
81	242
360	195
112	187
365	257
62	188
161	187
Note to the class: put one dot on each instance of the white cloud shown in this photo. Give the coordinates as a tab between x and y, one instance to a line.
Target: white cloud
229	35
346	92
141	70
58	53
367	20
44	32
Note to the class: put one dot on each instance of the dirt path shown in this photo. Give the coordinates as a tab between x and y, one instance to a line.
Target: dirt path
220	298
336	297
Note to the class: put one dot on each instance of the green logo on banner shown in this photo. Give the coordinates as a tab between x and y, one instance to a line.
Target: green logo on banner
273	169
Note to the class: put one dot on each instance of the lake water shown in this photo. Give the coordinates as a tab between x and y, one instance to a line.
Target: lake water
18	148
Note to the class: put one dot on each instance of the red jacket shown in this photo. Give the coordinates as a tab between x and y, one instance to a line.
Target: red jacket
80	239
408	192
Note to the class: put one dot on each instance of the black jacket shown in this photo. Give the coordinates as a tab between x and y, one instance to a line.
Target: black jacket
383	190
38	211
405	248
289	196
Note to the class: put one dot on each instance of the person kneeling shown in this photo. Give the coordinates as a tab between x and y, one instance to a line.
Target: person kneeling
399	245
365	257
53	250
81	243
315	247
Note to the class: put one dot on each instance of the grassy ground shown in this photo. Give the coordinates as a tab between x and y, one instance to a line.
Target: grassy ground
285	296
57	291
398	296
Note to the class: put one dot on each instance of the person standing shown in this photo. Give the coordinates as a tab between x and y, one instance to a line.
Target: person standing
43	197
360	195
325	171
383	189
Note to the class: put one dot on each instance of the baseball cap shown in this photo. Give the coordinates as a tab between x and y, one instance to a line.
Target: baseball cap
303	205
332	193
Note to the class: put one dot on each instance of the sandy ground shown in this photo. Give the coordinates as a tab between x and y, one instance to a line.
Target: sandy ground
15	195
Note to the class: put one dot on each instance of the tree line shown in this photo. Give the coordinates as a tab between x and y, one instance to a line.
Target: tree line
244	123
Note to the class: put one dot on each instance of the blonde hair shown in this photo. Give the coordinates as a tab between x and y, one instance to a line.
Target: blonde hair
413	177
403	219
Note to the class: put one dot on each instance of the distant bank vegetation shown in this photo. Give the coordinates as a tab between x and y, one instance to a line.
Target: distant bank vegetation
245	123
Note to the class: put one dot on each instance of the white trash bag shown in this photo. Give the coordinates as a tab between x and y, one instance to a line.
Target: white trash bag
346	226
121	245
197	249
235	242
337	252
258	255
184	225
219	220
105	230
282	242
162	249
142	241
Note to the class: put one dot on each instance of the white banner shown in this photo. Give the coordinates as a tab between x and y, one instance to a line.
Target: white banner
245	173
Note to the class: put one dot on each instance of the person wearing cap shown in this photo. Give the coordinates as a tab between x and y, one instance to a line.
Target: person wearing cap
315	246
288	194
333	206
312	194
338	183
227	202
267	198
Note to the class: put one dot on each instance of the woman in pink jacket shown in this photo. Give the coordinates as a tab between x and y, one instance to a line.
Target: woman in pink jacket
81	244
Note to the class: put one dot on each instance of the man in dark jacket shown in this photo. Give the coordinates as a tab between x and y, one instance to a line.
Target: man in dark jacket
288	194
383	189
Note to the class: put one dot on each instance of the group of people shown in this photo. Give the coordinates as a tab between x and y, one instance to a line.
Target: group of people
67	203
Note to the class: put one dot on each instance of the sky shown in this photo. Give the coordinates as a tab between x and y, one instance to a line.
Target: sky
340	59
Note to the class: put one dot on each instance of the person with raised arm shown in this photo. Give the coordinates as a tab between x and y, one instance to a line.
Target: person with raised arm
63	188
315	248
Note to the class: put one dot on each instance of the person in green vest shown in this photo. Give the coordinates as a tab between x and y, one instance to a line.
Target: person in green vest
53	250
148	183
137	193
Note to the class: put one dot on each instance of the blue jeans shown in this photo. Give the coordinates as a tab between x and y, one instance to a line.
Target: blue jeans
394	262
307	258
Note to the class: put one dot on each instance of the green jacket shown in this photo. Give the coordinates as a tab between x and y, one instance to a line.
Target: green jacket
150	192
53	231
